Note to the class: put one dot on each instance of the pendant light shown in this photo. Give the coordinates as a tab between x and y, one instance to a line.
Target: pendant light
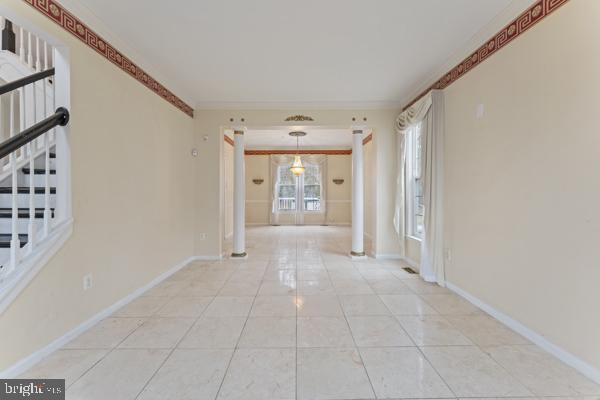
297	168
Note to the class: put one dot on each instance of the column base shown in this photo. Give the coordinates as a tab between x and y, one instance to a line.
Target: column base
239	255
358	255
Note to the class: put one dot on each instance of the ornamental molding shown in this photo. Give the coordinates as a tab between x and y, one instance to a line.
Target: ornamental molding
299	118
70	23
528	18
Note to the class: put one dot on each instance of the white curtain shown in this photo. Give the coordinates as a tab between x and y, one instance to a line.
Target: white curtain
321	161
277	160
432	146
430	111
405	120
399	203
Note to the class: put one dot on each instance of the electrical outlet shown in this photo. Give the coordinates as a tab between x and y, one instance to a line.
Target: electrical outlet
448	254
87	282
202	236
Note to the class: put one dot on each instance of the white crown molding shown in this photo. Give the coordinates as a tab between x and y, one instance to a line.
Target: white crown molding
301	105
510	12
88	17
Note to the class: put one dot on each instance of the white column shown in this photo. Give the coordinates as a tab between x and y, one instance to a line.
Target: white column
358	207
239	195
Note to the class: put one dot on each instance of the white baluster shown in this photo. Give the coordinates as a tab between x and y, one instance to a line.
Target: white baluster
45	56
15	243
29	50
47	213
53	109
31	151
38	63
21	44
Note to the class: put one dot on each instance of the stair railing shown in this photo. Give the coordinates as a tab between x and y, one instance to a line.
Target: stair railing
31	49
28	121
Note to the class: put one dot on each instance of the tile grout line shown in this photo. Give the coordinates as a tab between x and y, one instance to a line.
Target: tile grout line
238	340
337	296
415	343
111	350
174	347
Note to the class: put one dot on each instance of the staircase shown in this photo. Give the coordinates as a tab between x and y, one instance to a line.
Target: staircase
23	200
35	218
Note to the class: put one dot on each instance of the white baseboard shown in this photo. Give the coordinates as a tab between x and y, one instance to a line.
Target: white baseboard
586	369
27	362
205	258
393	256
384	256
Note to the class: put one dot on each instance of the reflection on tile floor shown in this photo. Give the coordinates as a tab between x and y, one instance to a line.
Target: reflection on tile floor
299	320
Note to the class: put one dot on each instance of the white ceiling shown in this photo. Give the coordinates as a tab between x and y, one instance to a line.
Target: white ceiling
281	52
278	138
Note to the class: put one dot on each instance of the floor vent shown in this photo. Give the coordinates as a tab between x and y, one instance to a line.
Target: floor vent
409	270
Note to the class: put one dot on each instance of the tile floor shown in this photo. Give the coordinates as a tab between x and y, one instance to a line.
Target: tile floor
299	320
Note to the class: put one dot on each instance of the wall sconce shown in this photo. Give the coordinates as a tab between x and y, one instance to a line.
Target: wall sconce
338	181
258	181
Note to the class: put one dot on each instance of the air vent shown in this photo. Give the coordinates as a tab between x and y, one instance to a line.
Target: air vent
409	270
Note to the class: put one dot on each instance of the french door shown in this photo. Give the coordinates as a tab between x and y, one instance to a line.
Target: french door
298	196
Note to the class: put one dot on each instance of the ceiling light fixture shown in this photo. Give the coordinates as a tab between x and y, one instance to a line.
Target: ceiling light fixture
297	168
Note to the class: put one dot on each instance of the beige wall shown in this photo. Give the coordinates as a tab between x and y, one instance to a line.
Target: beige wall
132	179
370	160
339	197
413	251
210	123
522	194
258	201
227	190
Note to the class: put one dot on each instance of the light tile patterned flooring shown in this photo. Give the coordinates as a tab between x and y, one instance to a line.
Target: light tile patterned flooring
299	320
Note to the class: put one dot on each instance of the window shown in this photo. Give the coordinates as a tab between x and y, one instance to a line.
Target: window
286	189
312	188
288	194
414	182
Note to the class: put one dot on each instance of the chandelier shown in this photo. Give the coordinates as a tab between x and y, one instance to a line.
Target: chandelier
297	168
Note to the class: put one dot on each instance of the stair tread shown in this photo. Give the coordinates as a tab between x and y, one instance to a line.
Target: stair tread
37	171
25	190
23	212
5	239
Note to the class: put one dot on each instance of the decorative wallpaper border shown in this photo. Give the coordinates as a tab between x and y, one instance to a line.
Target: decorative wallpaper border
368	139
73	25
534	14
228	140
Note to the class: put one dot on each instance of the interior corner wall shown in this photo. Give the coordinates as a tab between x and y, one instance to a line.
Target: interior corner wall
384	139
339	197
258	203
227	190
133	198
370	198
522	219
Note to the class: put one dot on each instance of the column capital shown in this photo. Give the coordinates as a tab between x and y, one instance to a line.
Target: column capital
239	130
358	129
